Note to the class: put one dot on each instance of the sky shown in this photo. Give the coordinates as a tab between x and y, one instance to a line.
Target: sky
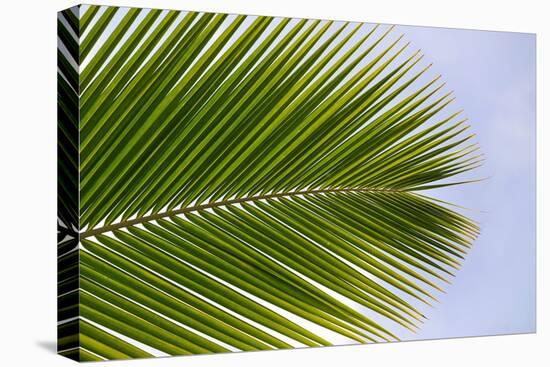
492	76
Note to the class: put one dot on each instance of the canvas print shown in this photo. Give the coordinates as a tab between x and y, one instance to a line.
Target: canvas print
232	182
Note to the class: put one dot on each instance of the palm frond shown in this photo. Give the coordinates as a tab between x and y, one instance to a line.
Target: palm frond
67	183
245	182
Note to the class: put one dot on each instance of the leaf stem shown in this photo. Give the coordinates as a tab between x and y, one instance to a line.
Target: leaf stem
169	213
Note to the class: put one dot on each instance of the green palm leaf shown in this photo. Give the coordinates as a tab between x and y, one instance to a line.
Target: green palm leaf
248	183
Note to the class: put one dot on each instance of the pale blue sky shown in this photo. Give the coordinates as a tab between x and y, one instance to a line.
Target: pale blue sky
493	76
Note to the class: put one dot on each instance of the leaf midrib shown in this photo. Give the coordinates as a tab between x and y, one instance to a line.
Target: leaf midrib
169	213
